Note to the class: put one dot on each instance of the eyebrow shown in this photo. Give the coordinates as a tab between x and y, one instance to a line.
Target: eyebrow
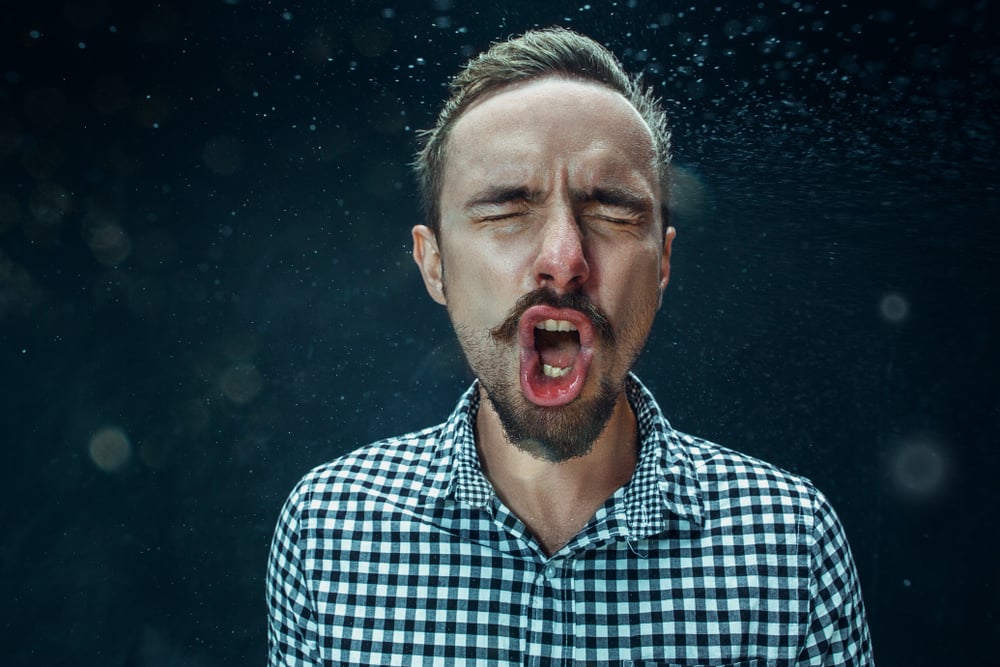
502	194
626	199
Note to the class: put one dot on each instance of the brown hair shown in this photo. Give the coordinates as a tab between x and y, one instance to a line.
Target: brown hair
535	54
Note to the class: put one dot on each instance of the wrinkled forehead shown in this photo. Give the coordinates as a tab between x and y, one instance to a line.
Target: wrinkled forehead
517	131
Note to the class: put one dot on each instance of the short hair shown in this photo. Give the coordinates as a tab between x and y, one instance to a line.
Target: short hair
535	54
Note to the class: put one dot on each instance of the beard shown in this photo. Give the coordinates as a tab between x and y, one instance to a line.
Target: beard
552	434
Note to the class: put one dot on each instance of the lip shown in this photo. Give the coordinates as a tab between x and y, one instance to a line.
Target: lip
536	314
537	388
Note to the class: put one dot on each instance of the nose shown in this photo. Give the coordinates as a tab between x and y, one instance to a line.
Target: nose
561	263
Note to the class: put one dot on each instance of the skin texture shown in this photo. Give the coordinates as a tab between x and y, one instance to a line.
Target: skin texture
550	188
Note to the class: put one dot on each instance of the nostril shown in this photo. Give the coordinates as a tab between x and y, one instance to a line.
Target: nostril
561	261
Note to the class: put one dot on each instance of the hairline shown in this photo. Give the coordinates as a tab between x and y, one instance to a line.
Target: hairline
523	83
431	158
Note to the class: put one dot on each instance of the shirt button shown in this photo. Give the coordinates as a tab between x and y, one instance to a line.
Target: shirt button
551	570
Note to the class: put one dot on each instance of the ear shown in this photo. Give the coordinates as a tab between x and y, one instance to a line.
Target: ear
428	258
668	240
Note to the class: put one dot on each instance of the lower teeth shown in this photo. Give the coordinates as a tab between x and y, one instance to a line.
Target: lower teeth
555	371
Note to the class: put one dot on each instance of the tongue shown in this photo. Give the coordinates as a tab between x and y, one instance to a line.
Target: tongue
560	354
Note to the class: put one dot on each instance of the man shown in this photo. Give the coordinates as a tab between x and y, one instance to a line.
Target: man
555	517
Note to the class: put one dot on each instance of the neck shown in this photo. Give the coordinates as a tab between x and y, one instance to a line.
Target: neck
556	500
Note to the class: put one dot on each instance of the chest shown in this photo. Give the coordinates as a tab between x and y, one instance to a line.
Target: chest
480	590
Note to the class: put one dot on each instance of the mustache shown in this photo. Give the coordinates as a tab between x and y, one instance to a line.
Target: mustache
506	331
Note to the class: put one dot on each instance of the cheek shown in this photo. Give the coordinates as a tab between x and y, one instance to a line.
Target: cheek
632	268
635	281
476	290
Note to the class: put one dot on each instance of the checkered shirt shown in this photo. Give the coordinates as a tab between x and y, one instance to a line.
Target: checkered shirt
401	554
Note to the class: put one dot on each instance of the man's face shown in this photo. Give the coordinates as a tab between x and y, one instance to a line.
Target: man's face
551	255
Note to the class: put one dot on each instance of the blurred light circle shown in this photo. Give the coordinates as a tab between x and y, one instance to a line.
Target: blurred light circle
110	449
241	383
894	308
109	243
918	468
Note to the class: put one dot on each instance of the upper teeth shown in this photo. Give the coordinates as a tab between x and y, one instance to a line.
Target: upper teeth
555	325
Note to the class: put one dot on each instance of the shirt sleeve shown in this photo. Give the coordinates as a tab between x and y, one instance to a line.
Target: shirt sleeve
838	628
292	630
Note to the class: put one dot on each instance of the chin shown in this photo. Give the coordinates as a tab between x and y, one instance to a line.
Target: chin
553	434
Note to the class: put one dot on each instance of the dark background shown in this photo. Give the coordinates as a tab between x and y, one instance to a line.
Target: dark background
205	288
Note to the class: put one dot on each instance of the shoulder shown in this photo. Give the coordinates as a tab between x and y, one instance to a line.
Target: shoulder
394	468
726	485
733	483
729	469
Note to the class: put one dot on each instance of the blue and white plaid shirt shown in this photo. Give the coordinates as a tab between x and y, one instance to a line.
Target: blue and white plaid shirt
401	554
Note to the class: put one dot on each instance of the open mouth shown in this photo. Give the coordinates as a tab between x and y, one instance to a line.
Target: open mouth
556	350
557	343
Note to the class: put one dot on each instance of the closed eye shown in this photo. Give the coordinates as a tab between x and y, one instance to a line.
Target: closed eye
623	218
619	220
501	216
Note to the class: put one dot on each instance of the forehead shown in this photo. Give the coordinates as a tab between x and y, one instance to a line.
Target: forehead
527	130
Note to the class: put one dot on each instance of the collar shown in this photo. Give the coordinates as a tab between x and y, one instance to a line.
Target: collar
664	487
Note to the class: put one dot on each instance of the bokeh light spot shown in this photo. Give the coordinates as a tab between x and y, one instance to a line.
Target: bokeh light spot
919	467
109	243
894	308
110	449
241	383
